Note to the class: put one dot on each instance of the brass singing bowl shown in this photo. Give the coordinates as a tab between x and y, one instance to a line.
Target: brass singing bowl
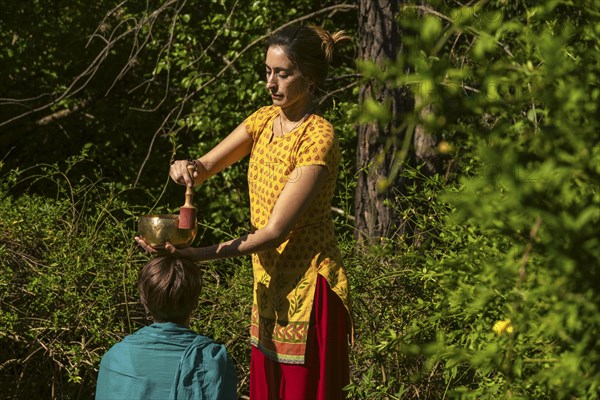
158	229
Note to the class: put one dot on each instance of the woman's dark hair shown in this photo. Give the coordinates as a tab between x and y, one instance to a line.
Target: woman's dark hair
169	288
310	48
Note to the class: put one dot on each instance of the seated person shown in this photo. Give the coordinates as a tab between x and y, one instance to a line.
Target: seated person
167	360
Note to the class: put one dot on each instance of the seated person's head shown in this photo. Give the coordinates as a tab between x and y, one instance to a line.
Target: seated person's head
169	289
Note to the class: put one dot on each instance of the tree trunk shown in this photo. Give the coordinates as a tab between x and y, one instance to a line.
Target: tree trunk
378	144
425	146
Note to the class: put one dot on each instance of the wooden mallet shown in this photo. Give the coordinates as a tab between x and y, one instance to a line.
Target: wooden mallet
187	212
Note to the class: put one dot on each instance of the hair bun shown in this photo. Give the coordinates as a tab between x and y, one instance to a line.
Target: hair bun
329	40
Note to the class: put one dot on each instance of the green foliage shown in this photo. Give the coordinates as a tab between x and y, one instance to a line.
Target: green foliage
144	84
508	232
511	232
169	82
68	271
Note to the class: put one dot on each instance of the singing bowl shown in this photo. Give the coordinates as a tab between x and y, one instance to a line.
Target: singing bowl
158	229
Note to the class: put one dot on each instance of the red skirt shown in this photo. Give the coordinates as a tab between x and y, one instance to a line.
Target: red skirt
326	368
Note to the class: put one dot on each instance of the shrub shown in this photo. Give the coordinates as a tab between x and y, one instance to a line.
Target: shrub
68	271
504	290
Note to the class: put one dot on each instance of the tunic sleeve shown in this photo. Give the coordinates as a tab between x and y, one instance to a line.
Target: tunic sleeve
320	147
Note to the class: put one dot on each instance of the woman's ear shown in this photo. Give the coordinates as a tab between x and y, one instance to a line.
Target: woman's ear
310	83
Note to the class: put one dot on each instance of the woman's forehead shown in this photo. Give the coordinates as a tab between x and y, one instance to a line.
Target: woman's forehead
276	58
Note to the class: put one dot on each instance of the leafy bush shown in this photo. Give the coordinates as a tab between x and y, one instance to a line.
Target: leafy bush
505	288
67	272
68	268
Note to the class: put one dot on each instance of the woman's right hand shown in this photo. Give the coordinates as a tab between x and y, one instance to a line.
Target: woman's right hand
233	148
180	174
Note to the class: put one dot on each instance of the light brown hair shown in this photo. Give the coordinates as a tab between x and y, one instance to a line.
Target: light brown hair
169	288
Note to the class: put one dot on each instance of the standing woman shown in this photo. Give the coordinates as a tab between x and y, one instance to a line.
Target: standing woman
301	309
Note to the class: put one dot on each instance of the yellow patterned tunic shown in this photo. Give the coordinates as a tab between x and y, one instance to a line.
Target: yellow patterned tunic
285	278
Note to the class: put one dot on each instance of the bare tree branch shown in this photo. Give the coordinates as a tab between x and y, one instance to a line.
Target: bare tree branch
141	32
81	81
61	114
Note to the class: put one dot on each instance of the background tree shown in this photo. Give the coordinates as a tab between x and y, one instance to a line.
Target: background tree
390	136
378	141
501	299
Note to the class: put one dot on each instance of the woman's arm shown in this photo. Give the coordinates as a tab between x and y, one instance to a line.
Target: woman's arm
233	148
293	201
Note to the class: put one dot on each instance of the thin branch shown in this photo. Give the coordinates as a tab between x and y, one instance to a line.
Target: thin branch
81	81
165	49
61	114
429	10
332	93
136	48
6	100
529	247
342	213
168	46
215	37
103	23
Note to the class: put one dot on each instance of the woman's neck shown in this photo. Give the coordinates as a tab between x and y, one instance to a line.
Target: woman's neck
296	112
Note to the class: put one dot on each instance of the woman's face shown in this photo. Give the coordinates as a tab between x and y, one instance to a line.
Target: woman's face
288	88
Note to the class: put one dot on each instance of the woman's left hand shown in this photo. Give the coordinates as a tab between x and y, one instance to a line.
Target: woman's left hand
169	249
